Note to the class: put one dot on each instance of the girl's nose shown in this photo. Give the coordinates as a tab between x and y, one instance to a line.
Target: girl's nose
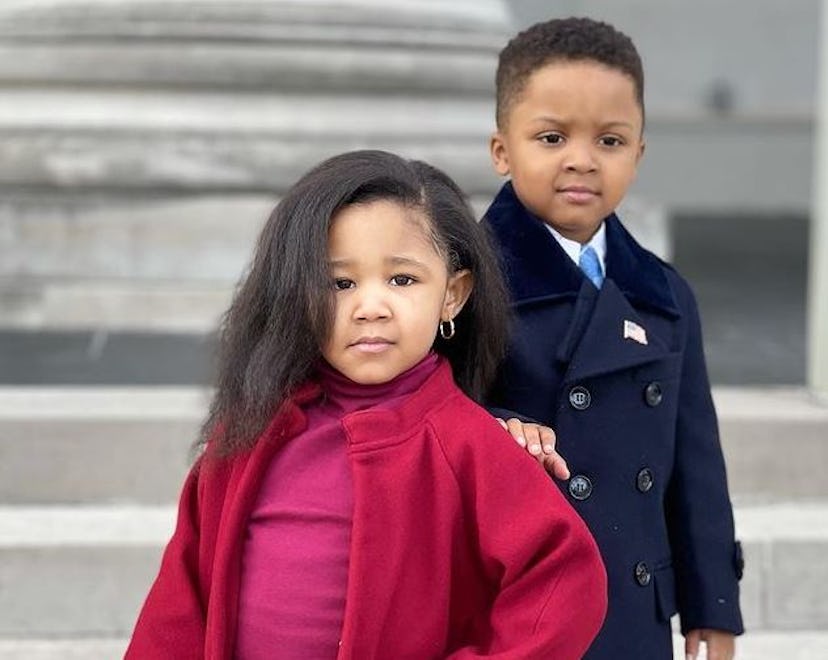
372	304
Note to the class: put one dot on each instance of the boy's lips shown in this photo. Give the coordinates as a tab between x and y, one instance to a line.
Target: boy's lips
578	194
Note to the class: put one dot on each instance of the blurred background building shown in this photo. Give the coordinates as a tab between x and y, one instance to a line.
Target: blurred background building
142	145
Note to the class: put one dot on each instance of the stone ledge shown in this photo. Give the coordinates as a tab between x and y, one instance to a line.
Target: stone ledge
79	527
117	550
812	645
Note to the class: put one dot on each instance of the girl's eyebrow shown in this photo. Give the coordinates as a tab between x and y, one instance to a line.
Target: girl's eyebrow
405	261
394	261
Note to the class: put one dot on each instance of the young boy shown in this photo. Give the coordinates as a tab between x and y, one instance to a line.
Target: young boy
607	344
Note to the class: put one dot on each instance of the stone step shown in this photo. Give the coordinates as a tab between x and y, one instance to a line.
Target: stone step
93	445
133	444
775	442
105	558
811	645
77	572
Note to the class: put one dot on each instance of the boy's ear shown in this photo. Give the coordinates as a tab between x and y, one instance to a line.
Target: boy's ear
457	293
500	157
642	147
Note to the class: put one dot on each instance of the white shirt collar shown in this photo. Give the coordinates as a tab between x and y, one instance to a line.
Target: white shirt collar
573	248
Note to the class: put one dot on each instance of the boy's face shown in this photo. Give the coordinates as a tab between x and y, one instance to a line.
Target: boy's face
571	144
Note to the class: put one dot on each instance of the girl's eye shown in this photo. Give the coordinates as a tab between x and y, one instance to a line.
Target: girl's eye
342	283
551	138
611	141
402	280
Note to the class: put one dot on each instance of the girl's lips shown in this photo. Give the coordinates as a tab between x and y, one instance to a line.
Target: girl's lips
371	345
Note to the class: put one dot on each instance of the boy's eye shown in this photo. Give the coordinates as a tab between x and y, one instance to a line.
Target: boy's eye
551	138
611	141
402	280
342	283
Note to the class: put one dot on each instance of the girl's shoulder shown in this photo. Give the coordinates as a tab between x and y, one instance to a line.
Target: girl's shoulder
463	426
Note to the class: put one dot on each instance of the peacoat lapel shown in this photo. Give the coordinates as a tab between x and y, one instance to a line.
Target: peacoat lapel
613	337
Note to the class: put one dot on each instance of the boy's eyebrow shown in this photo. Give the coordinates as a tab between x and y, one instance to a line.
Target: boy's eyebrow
619	123
548	119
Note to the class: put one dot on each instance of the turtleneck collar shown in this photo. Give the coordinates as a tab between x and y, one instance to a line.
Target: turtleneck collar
343	396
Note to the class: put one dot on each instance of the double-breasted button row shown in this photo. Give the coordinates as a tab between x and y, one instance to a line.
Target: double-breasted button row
580	397
580	486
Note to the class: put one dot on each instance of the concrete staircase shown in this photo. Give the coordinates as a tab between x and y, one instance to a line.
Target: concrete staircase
89	478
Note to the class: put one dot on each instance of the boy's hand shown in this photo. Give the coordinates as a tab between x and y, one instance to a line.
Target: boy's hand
721	645
540	442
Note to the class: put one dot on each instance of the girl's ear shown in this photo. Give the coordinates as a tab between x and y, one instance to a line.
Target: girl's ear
457	293
499	154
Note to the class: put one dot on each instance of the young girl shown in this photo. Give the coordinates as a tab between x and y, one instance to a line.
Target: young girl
352	501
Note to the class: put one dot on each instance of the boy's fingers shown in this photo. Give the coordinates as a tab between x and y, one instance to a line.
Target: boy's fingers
720	645
548	439
691	644
502	422
556	466
515	427
533	439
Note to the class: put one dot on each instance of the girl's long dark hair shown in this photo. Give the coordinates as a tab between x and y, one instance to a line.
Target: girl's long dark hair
281	314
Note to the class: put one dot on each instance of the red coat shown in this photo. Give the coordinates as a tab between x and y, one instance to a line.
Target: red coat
450	554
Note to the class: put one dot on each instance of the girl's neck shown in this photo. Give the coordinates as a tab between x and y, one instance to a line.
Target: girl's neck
346	396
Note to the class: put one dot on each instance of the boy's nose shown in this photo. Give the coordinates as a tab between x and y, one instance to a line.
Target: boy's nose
579	158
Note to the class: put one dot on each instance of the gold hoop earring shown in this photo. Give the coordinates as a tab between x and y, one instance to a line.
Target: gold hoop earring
447	334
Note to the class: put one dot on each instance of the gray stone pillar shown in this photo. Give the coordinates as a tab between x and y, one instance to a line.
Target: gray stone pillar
818	260
142	143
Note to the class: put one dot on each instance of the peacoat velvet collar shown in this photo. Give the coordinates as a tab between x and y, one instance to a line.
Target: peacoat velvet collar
537	268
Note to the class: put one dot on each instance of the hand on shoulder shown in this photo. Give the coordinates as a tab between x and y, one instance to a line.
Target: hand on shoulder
540	442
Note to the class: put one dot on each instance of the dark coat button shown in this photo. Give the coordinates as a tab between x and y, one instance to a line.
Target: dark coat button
579	397
644	480
580	487
642	574
653	394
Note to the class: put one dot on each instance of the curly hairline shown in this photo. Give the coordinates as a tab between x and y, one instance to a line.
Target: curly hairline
563	40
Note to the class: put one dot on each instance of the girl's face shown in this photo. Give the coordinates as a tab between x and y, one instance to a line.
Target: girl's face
392	289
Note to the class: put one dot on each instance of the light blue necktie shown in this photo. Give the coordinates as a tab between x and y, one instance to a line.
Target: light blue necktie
590	264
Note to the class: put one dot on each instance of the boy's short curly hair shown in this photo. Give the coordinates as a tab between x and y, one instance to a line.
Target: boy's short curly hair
563	39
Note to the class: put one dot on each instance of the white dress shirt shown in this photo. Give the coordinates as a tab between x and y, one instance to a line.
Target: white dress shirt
573	248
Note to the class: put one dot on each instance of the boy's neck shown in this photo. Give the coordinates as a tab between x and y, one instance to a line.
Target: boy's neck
598	241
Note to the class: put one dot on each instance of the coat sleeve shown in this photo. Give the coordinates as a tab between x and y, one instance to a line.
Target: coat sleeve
706	559
171	624
549	583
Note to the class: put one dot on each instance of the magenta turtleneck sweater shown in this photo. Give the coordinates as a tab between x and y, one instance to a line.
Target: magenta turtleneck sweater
295	559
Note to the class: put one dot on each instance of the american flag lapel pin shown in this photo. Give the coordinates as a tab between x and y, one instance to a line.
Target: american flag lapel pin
635	332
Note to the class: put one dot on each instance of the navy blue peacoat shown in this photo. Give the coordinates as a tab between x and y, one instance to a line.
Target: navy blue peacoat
619	373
